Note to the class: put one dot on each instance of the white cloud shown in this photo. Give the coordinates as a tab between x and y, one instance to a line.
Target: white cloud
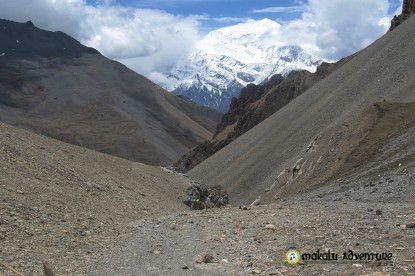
144	39
62	15
151	40
337	28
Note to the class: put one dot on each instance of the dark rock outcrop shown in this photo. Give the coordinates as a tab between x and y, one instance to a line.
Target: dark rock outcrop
408	9
203	197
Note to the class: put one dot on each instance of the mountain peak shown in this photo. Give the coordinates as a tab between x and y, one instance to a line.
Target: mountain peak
266	22
250	27
230	58
29	24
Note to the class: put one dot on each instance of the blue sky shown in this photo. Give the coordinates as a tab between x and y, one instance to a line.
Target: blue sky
220	13
151	35
216	8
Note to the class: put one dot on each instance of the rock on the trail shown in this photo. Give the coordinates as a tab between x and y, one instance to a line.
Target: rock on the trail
204	258
224	261
256	271
270	227
274	272
204	197
47	269
410	225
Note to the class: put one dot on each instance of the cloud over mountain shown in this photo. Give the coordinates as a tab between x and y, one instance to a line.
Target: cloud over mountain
343	26
144	38
149	40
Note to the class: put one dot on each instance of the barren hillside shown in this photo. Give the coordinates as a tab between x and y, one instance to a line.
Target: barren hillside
51	84
66	204
253	162
254	105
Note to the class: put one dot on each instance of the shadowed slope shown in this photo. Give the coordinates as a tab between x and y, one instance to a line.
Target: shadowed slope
76	95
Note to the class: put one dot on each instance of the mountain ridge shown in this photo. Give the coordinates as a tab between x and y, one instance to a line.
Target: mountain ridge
27	40
86	99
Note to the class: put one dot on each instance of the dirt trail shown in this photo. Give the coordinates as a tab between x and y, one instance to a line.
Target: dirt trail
255	239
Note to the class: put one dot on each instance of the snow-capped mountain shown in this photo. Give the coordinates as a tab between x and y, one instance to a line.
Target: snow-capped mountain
227	59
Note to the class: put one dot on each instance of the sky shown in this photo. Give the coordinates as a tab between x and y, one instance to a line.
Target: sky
151	35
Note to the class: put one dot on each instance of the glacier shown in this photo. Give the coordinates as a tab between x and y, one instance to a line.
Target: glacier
227	59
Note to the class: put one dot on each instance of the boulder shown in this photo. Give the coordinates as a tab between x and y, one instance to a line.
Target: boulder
204	197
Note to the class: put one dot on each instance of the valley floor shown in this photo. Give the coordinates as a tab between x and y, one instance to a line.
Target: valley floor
93	214
373	218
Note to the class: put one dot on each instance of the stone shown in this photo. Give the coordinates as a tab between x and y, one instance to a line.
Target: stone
256	271
47	269
203	197
274	272
224	261
357	265
410	225
270	227
204	259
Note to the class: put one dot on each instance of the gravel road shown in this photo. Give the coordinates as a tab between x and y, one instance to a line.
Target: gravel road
254	239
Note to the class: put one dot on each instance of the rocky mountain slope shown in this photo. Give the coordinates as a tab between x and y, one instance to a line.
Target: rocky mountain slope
119	217
53	85
66	204
254	105
252	163
376	144
228	59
